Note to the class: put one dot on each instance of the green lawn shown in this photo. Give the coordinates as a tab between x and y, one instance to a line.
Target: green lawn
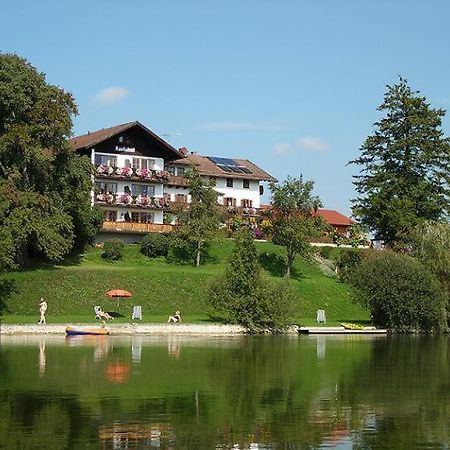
75	286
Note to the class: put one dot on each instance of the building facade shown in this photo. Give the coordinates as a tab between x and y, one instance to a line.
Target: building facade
140	180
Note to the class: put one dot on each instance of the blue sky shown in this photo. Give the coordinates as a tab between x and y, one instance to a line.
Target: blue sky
290	85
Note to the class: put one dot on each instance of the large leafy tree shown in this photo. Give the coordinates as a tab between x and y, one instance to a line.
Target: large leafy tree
404	167
200	221
294	220
44	186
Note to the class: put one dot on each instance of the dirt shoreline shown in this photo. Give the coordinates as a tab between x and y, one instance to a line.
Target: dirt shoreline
128	329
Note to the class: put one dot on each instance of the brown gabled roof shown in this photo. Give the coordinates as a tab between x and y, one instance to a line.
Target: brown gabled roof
206	167
91	139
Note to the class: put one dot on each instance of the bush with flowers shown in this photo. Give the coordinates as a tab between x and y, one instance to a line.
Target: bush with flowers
144	200
162	175
103	169
124	171
126	199
143	173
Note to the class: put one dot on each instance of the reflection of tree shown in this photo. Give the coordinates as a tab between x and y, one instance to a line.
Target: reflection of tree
31	420
272	390
401	399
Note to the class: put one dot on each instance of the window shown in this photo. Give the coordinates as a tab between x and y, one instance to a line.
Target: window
134	216
103	188
229	201
141	163
105	160
246	184
171	170
147	217
127	163
246	203
212	181
181	198
142	189
180	171
229	182
109	216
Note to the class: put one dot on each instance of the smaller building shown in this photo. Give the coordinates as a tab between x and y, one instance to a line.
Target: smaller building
336	220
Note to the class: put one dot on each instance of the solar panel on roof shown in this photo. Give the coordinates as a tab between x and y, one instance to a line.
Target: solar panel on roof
222	161
228	165
225	168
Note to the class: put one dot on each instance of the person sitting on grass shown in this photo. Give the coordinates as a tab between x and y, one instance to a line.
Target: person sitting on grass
175	318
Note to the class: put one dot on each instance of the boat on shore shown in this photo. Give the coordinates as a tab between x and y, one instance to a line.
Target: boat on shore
80	331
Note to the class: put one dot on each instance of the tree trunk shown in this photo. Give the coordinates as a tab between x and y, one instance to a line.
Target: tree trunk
290	261
199	250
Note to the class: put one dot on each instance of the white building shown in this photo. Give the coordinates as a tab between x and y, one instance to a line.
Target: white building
139	179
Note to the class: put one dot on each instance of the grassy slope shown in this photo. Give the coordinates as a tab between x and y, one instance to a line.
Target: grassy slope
73	288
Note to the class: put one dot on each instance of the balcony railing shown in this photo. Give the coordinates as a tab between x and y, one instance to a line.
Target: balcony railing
135	227
141	201
242	210
176	180
132	173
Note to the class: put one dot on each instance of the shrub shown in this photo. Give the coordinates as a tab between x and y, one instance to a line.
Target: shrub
401	293
154	245
347	260
247	299
181	250
112	250
325	252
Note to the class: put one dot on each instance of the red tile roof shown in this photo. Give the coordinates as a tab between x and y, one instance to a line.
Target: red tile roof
330	216
334	218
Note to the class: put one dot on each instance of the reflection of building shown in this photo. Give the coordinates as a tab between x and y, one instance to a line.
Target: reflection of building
140	179
136	435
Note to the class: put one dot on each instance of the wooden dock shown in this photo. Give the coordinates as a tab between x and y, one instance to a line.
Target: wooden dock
339	330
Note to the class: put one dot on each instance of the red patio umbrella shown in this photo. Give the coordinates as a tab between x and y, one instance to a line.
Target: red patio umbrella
117	293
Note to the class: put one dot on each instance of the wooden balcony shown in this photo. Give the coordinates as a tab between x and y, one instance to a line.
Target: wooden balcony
242	211
177	181
135	227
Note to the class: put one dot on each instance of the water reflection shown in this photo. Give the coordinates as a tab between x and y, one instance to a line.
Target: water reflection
225	393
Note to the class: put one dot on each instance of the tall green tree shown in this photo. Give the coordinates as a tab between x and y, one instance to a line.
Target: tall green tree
294	220
200	222
245	297
430	243
404	167
44	186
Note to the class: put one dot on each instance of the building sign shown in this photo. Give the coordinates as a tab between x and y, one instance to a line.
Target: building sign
125	149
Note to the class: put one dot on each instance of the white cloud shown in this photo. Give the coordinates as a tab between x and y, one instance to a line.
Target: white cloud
305	143
111	95
283	149
312	144
221	126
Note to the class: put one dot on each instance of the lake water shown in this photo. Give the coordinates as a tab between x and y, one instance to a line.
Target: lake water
258	392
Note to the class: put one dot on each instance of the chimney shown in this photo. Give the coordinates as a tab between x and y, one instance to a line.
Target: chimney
183	150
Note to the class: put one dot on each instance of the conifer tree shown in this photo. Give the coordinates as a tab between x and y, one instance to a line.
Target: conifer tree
404	167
